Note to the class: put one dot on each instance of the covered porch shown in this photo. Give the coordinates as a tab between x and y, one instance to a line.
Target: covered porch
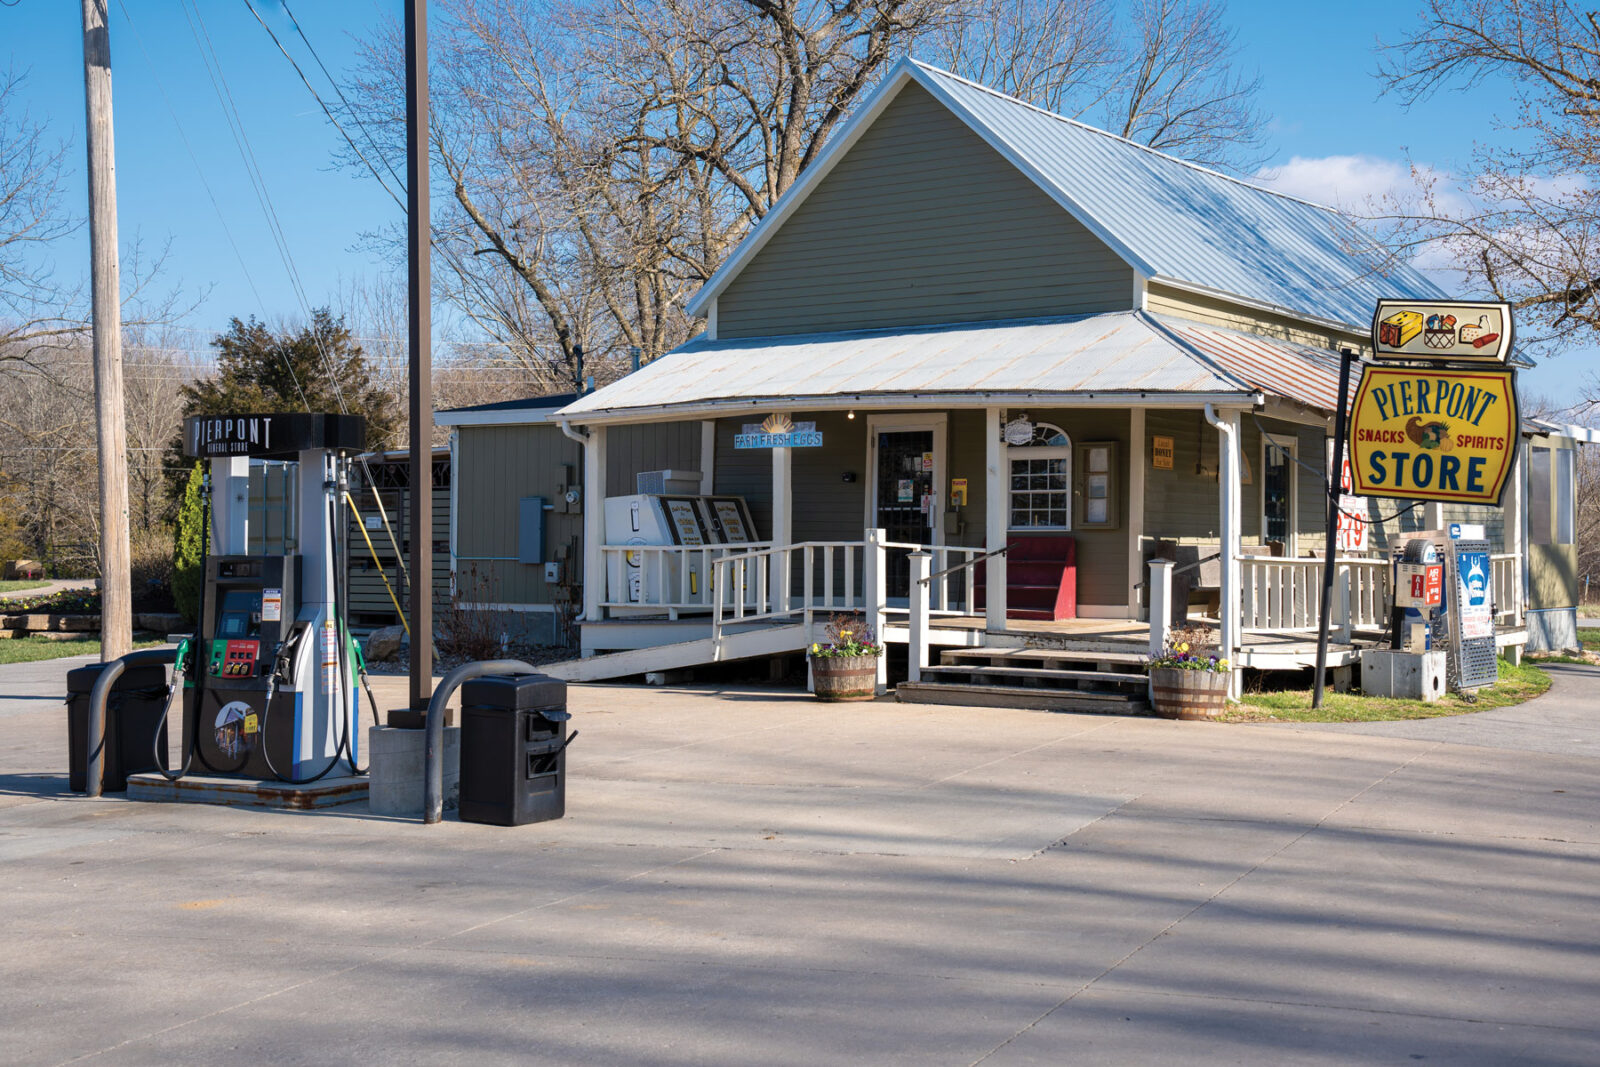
1122	439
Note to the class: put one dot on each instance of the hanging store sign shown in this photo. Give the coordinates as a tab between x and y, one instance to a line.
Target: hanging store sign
778	431
1441	330
1427	434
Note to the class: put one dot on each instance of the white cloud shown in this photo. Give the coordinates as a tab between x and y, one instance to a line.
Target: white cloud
1350	183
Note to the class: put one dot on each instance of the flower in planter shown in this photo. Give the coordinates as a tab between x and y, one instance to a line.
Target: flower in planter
1184	651
847	635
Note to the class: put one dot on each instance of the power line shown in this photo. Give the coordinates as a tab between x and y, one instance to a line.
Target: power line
315	96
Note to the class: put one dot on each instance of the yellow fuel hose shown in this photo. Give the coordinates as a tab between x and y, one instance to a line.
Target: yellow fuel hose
363	528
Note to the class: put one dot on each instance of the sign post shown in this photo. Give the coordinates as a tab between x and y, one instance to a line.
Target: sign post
1335	491
1435	419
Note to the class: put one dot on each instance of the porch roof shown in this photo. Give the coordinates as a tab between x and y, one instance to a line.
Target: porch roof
1123	357
1298	372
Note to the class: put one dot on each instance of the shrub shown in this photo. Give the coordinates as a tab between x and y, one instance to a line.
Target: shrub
186	549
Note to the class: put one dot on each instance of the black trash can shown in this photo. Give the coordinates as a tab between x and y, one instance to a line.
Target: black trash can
513	749
133	708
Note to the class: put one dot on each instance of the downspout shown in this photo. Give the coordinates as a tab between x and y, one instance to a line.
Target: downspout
1227	475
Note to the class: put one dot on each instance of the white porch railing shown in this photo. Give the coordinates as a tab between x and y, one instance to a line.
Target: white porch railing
669	578
955	592
816	576
1506	574
1285	595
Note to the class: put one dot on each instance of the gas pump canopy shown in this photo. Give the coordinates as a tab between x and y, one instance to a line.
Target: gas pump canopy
280	436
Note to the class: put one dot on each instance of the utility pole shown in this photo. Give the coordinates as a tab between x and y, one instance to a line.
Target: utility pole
116	593
419	281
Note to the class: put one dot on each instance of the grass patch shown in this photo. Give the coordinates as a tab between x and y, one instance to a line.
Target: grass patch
1516	684
1589	639
20	585
34	649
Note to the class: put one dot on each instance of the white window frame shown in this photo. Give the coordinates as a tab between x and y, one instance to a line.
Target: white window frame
1291	445
1013	453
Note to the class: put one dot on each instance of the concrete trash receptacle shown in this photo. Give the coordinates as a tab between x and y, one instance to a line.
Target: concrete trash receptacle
398	764
1403	675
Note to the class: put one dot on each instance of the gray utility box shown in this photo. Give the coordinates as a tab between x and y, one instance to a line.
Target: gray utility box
1403	675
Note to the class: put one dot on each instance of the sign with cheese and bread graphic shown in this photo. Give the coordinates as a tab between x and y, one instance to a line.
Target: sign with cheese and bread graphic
1433	433
1442	330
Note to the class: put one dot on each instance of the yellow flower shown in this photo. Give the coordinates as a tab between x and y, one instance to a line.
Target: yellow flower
1222	663
816	647
1184	647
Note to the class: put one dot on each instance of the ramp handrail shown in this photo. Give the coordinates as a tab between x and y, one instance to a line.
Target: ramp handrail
433	753
98	695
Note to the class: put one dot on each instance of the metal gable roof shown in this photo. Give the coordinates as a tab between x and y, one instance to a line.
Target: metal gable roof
1120	353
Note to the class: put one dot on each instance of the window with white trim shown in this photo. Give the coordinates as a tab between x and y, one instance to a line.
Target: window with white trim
1041	480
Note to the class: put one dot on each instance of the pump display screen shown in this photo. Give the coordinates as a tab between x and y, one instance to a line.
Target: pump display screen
240	613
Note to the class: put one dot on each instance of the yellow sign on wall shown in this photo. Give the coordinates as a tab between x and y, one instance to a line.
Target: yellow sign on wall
1424	434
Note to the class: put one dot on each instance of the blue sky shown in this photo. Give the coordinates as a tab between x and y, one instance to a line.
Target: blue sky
1332	137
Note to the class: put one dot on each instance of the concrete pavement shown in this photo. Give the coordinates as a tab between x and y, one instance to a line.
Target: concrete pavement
752	877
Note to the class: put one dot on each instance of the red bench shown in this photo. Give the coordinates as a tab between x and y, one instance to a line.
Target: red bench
1041	578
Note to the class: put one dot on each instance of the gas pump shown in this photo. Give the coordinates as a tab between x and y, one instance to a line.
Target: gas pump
269	686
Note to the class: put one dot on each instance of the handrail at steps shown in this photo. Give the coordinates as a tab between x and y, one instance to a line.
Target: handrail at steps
97	707
433	753
974	561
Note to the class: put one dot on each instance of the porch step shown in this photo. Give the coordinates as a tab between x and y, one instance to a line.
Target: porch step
1063	658
1011	696
1037	677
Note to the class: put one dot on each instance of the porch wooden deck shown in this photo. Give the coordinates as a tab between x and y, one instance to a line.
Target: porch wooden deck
1261	651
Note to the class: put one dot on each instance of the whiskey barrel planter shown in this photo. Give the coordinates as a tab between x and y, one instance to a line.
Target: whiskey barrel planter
844	677
1180	694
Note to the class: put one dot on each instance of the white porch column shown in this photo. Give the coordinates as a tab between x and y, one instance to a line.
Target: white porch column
1136	468
782	525
997	482
708	457
1160	604
230	504
1514	543
1228	495
874	595
917	650
594	524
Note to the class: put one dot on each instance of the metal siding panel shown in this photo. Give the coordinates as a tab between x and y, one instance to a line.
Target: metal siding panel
1179	503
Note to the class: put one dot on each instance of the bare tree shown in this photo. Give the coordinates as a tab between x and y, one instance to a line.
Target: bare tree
1524	223
1164	73
32	302
604	156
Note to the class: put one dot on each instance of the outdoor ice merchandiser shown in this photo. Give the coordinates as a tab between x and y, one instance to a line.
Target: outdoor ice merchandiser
269	679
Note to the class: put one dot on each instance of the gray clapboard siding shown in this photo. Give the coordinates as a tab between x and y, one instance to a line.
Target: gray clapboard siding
1102	555
496	467
633	449
922	222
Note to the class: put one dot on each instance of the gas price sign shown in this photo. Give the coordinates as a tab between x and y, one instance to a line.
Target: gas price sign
1433	434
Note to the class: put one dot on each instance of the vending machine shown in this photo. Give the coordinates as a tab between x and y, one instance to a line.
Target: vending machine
654	580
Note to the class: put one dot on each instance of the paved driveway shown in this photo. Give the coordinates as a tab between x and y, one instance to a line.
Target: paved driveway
750	877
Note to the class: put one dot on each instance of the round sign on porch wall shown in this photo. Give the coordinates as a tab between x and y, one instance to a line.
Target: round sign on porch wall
1019	431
